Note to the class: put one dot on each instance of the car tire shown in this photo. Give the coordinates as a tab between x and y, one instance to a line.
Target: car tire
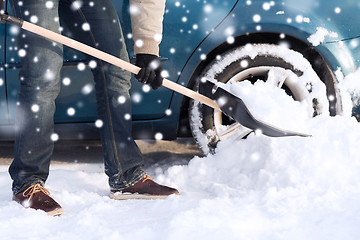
253	62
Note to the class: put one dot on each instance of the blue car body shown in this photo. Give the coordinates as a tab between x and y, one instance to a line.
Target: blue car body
195	31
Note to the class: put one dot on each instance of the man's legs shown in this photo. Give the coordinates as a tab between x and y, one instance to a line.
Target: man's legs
96	24
39	86
123	160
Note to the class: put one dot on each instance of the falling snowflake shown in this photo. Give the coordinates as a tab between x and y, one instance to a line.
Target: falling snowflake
146	88
127	116
266	6
76	5
81	66
99	123
121	99
244	63
354	43
134	10
49	4
172	50
168	112
54	137
256	18
164	74
229	31
49	75
299	19
158	37
35	108
22	53
34	19
14	30
71	111
230	40
85	27
87	89
159	136
1	82
222	101
337	10
331	98
136	97
139	43
66	81
208	8
154	65
92	64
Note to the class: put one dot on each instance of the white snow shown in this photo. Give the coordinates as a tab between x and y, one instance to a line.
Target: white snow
272	110
259	188
319	37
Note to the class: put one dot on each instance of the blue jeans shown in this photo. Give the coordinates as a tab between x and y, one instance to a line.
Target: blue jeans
40	85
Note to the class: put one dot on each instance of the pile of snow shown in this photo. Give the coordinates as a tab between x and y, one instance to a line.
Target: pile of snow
351	85
281	111
258	188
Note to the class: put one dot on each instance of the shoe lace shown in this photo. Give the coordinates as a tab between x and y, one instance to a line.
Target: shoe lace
30	191
147	177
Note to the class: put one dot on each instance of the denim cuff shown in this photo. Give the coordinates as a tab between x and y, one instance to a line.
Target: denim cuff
128	179
18	189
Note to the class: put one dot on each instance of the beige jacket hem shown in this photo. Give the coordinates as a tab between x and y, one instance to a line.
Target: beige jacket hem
147	25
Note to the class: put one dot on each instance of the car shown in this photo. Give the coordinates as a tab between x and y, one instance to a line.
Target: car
248	39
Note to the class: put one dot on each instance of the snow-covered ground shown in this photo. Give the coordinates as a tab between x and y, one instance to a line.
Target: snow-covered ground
258	188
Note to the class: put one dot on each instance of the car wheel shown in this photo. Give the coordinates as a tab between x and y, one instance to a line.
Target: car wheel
253	62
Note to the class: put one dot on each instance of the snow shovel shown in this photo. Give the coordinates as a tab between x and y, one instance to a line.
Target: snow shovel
234	107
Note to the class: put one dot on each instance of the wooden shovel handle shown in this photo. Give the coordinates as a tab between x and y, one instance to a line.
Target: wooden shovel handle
113	60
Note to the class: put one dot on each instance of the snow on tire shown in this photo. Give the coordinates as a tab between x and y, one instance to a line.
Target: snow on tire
285	68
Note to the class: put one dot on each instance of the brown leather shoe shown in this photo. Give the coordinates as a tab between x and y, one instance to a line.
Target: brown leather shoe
145	188
38	197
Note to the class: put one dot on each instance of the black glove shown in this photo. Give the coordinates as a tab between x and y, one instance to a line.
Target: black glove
151	69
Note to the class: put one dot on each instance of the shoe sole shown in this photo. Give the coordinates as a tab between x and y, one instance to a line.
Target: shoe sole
56	212
119	196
